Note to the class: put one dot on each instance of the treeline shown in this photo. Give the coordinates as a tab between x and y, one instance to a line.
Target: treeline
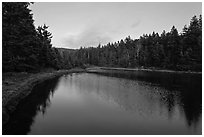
169	50
24	47
28	48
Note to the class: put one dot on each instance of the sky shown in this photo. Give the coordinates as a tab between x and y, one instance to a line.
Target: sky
75	25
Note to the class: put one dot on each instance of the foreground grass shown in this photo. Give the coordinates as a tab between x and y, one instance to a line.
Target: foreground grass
16	86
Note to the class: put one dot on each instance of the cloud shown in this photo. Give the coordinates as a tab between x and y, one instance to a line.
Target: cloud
91	36
98	32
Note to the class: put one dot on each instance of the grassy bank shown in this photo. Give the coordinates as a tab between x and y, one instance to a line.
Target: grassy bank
16	86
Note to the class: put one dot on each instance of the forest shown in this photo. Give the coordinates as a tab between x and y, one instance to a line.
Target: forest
169	50
28	48
25	47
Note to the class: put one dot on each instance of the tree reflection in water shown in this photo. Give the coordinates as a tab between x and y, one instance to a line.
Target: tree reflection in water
183	89
37	102
172	92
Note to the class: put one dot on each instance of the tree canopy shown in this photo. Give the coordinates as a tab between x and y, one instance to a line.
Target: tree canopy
169	50
26	48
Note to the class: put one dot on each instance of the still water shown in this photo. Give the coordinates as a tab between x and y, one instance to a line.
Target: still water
89	103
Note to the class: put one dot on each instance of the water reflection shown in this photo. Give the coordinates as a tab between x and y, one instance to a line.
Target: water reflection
37	102
183	98
184	89
95	104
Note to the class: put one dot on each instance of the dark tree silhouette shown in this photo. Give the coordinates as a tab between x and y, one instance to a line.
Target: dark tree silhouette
26	48
170	50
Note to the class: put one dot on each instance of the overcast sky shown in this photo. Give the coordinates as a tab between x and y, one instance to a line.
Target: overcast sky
88	24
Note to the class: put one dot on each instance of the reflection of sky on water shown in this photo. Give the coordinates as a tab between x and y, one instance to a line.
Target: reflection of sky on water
95	104
147	102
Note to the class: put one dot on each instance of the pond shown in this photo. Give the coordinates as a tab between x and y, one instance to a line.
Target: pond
111	103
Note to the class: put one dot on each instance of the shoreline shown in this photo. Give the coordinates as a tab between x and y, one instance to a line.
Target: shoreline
13	91
142	69
20	85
